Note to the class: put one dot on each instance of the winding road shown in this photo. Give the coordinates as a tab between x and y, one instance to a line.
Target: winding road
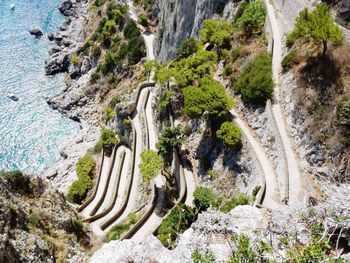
294	189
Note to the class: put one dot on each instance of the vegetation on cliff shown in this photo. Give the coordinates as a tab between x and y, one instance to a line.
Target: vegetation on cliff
85	169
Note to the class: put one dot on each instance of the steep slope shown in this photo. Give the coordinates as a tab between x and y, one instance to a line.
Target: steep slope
179	20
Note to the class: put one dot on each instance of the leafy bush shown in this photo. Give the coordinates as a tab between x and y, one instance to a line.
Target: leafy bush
136	50
75	60
229	134
151	164
15	178
210	97
204	198
143	20
78	190
343	112
255	82
228	70
127	122
107	139
187	48
207	257
169	139
131	30
85	168
116	231
216	32
179	219
110	113
235	54
252	19
229	205
34	219
289	59
188	71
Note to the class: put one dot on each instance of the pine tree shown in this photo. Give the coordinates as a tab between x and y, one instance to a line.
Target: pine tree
317	26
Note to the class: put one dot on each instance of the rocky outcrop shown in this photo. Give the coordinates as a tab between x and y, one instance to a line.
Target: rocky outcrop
182	19
57	63
36	32
35	224
213	231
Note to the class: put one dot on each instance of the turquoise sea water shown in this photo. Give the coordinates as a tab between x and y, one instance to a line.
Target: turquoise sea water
31	134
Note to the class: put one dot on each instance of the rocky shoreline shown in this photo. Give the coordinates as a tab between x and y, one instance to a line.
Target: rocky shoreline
72	102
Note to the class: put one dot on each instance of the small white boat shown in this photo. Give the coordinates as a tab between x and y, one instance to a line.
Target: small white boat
12	96
12	6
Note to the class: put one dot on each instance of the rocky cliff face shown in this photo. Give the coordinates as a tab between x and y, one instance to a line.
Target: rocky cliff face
182	19
36	224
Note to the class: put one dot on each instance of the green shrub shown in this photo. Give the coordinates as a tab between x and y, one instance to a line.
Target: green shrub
75	60
255	82
110	113
228	70
136	50
127	122
169	139
15	178
78	190
85	166
343	112
289	59
204	198
187	48
151	164
229	134
85	169
34	219
229	205
235	54
179	219
216	32
252	20
116	231
77	225
210	97
108	139
207	257
131	30
143	20
94	77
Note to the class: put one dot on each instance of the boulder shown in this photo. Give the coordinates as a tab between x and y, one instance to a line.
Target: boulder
50	37
58	63
36	32
65	5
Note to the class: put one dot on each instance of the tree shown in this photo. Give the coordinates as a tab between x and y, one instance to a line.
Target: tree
210	96
187	48
255	82
179	219
216	32
107	139
229	134
317	26
252	19
169	139
204	198
151	164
